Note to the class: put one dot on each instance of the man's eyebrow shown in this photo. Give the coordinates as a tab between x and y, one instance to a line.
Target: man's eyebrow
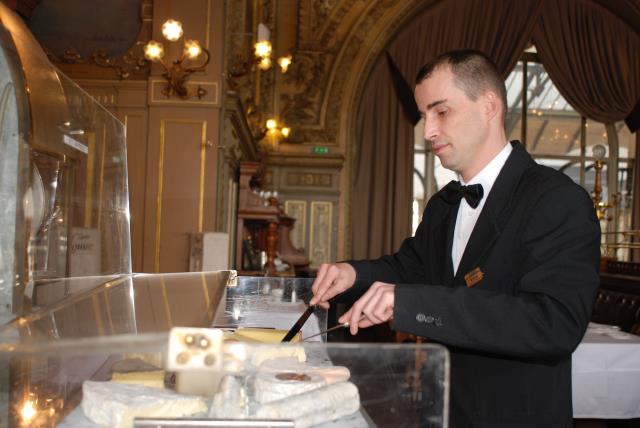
435	103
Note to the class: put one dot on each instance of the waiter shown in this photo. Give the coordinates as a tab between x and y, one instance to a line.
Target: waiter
503	268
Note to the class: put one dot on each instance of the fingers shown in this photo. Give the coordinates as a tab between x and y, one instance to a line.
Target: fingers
356	312
332	279
324	305
346	316
321	284
374	307
319	278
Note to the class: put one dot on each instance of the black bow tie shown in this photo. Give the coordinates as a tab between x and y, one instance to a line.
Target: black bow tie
454	191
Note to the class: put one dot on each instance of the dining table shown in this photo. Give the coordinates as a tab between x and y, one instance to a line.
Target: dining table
606	374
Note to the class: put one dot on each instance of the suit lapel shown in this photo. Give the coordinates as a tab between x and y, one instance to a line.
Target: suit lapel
449	227
494	215
440	243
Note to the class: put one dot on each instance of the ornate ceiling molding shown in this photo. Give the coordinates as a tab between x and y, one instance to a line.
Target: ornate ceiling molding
373	34
325	78
336	44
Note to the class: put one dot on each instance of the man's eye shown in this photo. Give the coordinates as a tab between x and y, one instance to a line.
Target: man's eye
442	112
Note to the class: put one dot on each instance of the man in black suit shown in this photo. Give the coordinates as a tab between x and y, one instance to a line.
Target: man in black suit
503	268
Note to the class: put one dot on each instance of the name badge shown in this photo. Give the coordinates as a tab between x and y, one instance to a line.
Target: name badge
473	277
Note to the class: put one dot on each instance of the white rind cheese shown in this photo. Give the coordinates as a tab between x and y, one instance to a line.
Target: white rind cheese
314	407
331	374
266	353
230	401
115	405
274	386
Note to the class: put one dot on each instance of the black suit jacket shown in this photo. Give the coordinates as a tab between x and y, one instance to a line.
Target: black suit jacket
510	336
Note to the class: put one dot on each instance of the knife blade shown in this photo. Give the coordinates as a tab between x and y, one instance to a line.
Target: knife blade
335	327
298	325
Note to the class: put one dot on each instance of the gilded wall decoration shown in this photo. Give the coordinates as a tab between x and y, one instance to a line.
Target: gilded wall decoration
335	40
297	179
321	9
306	77
319	20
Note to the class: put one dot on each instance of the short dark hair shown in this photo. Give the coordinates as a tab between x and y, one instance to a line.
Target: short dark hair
474	73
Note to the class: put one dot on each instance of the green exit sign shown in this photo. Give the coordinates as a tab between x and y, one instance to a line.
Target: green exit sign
320	150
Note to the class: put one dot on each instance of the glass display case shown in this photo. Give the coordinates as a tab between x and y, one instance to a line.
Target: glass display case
149	331
63	175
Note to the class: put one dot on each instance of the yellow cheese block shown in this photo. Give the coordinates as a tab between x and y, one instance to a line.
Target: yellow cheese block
154	379
263	335
137	371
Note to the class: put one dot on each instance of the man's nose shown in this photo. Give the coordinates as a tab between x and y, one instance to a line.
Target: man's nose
430	130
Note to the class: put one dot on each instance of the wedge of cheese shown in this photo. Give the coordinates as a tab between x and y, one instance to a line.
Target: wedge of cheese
154	379
263	335
115	405
138	372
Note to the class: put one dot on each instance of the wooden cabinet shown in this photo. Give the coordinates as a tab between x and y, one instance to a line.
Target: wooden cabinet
263	228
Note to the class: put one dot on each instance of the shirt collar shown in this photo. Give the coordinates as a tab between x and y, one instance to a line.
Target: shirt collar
487	176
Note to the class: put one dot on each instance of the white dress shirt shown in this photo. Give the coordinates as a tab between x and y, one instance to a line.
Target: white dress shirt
467	216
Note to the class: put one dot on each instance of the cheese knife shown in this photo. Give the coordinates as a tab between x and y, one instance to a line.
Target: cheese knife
298	325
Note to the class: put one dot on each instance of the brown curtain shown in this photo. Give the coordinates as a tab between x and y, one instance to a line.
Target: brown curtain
592	56
635	209
383	175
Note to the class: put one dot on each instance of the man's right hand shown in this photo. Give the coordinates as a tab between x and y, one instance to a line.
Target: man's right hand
332	279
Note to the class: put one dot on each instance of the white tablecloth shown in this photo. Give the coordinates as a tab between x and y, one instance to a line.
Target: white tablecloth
606	374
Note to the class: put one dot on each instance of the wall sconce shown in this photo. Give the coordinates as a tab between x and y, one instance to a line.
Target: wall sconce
262	50
178	73
274	132
599	151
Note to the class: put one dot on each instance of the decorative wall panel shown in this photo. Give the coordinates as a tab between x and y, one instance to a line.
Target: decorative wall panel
298	210
321	233
180	190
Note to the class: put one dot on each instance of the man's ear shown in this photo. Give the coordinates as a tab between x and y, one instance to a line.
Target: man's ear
492	105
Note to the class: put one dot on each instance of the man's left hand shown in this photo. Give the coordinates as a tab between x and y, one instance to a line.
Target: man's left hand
374	307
